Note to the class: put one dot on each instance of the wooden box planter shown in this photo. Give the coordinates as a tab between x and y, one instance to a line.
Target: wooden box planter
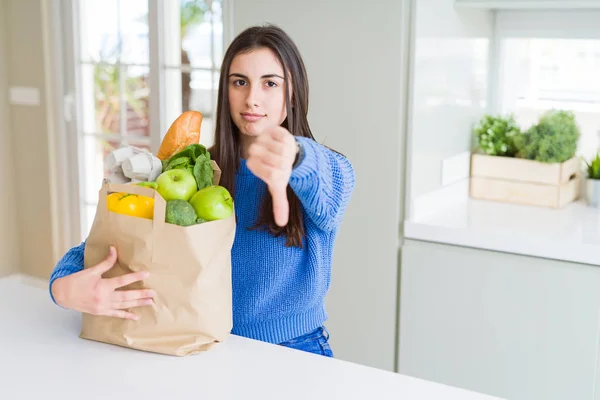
519	181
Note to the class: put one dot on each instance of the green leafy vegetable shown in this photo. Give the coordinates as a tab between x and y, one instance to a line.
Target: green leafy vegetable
196	159
203	171
181	162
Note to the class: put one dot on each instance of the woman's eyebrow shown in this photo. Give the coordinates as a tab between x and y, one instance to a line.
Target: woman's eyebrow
272	76
262	77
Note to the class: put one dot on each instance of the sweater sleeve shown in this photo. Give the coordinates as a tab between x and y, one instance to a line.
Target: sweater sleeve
323	181
70	263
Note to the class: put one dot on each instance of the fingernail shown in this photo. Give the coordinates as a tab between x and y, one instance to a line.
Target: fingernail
146	274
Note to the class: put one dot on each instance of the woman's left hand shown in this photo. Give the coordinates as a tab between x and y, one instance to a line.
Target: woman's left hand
270	157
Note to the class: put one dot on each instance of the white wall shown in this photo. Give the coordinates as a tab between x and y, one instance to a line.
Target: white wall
450	88
30	141
353	54
8	224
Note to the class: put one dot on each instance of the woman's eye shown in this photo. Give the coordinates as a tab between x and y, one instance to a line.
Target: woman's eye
239	82
271	84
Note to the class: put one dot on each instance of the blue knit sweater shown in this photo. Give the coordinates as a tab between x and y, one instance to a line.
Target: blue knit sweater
278	291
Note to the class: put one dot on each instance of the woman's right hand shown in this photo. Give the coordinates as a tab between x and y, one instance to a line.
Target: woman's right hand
86	291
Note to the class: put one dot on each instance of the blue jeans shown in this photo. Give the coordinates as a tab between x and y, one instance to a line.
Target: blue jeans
316	342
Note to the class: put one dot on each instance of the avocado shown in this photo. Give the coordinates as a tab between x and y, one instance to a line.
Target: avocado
180	212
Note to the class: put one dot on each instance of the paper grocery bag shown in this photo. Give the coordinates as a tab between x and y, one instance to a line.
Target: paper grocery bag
190	270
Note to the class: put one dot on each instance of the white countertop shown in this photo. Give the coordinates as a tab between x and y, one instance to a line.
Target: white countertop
570	234
43	357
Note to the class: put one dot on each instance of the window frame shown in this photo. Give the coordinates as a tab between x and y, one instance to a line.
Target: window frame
547	24
69	114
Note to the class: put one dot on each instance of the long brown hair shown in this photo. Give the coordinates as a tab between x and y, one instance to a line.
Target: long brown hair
227	150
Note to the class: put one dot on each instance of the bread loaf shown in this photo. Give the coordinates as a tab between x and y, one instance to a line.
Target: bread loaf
184	131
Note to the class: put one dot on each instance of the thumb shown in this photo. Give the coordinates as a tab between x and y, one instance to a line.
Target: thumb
281	207
107	263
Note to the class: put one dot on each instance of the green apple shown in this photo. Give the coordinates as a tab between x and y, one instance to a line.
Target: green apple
176	184
212	203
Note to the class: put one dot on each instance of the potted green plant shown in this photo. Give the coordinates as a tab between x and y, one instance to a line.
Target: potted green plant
495	135
552	140
592	181
539	166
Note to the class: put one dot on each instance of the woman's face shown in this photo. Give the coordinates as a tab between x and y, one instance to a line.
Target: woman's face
256	91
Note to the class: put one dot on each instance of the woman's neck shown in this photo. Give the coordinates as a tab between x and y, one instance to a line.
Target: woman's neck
245	142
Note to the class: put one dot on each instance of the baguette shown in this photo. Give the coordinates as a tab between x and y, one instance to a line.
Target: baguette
185	130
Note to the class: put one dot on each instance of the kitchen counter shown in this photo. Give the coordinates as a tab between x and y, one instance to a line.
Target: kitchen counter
571	233
43	357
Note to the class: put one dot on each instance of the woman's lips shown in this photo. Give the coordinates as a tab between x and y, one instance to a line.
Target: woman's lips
251	117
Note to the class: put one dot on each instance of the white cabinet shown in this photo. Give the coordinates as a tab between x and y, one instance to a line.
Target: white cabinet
512	326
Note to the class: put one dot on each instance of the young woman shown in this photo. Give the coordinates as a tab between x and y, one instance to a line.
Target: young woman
290	195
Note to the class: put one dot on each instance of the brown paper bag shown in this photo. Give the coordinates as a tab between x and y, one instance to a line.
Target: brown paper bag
190	270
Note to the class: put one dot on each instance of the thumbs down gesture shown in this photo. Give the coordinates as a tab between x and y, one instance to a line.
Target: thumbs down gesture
270	157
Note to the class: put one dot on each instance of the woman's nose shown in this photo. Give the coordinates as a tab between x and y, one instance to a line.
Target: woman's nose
253	98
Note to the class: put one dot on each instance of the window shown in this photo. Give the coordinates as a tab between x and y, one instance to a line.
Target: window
550	61
138	64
